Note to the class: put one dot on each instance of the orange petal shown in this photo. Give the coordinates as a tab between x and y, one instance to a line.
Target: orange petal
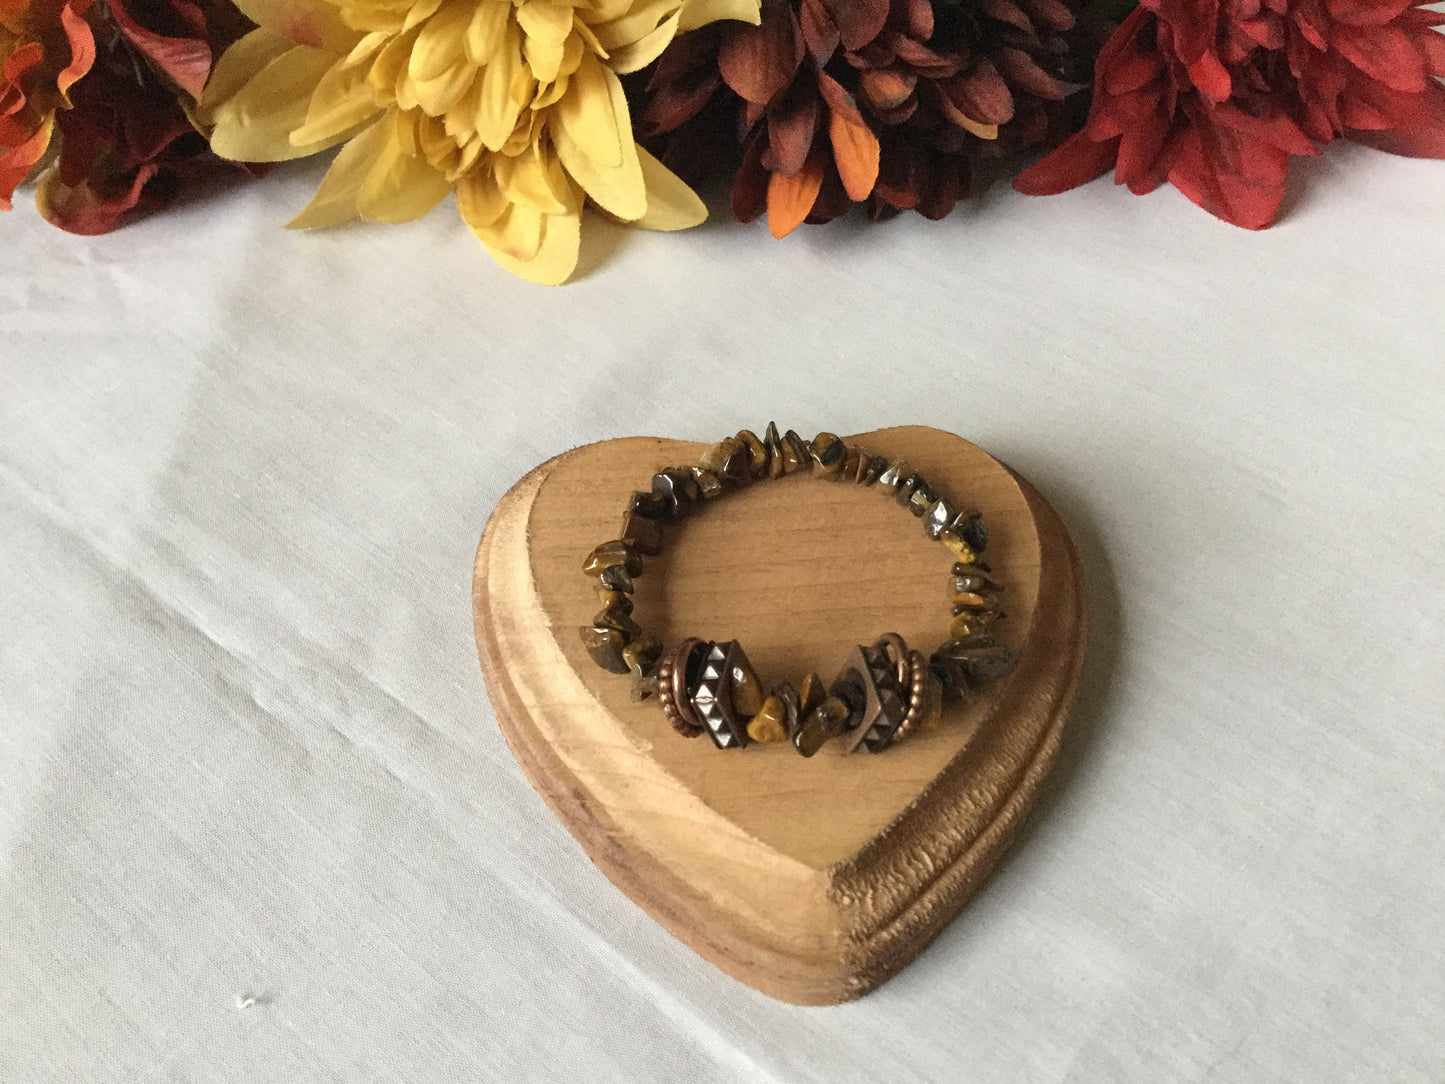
855	151
791	198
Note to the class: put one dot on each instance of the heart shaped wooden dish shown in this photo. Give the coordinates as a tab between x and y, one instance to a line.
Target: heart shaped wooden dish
810	880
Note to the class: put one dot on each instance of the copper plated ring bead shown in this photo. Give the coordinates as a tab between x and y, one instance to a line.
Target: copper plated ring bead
884	692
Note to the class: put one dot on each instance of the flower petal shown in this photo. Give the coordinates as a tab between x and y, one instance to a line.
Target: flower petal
342	99
758	62
630	58
335	198
592	131
555	257
185	60
696	13
316	23
400	187
254	124
790	199
671	205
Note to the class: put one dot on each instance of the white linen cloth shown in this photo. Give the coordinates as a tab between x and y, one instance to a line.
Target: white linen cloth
256	819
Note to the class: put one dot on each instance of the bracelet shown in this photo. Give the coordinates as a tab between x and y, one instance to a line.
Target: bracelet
883	692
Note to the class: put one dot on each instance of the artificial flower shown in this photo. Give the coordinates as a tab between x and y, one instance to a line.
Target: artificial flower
126	139
1214	96
841	102
45	46
514	107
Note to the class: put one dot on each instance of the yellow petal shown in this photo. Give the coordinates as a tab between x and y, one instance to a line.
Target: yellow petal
544	58
438	95
547	22
388	71
535	178
498	109
440	45
400	187
671	205
237	66
592	131
641	53
255	123
639	21
487	29
419	12
696	13
335	199
556	255
316	23
480	200
342	100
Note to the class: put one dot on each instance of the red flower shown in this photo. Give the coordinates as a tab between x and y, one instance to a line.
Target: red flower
114	79
1214	96
45	46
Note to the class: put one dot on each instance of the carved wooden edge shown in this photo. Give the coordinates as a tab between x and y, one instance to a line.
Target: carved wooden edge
893	917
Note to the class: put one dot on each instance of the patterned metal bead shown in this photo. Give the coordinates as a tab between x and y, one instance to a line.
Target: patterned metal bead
714	673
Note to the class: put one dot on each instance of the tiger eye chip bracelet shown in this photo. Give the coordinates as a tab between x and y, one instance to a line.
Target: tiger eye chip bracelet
883	692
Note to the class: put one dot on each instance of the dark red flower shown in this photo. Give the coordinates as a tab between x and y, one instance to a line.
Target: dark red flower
843	102
1214	96
114	79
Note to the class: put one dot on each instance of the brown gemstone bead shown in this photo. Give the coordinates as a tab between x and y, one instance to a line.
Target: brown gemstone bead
611	555
895	472
978	656
926	703
757	452
616	619
769	722
642	654
961	549
649	506
615	600
937	518
773	442
642	534
708	483
617	578
795	453
903	491
810	694
972	578
605	646
745	688
966	624
969	526
730	459
851	459
644	686
641	657
923	498
828	453
874	469
975	601
785	692
678	488
823	722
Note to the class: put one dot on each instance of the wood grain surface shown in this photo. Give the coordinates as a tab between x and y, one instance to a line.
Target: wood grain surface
810	880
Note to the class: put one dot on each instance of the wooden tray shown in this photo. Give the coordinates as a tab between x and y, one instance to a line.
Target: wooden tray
810	880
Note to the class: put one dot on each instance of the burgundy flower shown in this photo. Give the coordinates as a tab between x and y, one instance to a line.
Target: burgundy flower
126	140
840	102
1214	96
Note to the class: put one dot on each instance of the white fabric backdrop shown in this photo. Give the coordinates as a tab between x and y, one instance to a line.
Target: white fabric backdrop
256	819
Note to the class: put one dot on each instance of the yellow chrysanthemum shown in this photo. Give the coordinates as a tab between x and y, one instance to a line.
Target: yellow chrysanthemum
514	105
